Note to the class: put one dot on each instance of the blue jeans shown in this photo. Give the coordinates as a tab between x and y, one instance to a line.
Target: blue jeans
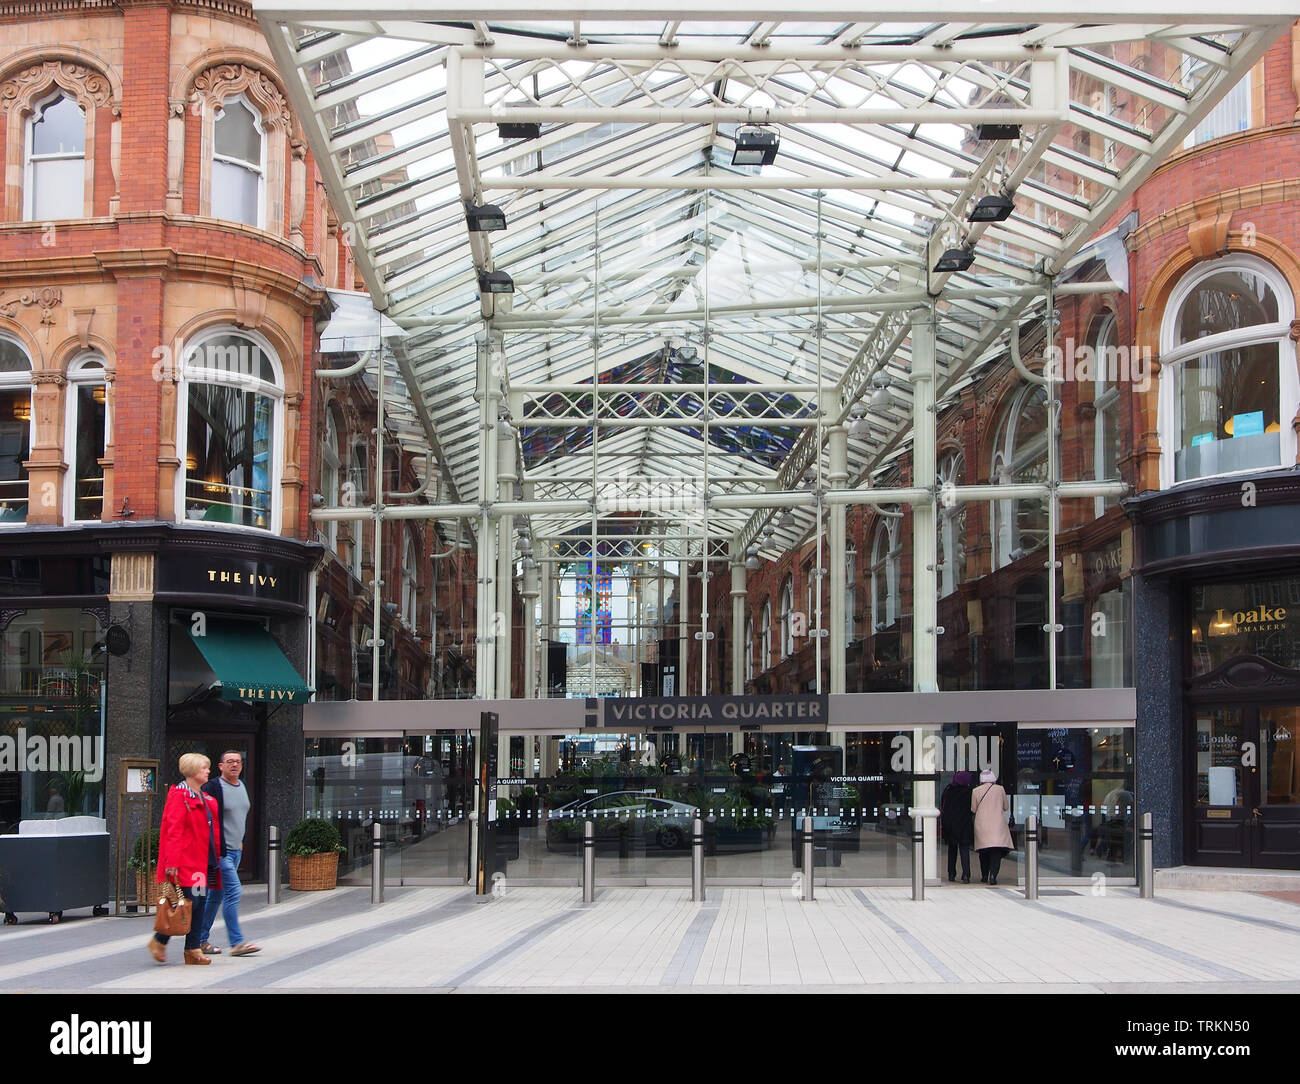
226	900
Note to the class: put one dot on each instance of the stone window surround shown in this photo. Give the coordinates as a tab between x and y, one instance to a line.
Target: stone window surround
28	80
200	91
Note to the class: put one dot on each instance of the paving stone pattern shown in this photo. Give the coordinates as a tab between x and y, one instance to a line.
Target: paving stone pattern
657	940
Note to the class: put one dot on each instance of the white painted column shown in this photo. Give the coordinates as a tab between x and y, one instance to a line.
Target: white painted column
503	617
738	644
838	444
925	594
529	595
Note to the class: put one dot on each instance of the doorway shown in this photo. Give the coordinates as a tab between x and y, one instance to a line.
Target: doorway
1245	773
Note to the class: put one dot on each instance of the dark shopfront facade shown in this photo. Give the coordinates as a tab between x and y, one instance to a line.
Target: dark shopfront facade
210	643
1218	606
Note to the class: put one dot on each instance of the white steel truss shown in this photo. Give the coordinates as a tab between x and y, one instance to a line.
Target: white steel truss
675	317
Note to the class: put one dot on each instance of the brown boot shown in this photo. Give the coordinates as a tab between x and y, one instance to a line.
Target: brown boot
157	950
195	956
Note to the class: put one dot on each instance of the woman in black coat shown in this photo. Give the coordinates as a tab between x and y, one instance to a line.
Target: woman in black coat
957	824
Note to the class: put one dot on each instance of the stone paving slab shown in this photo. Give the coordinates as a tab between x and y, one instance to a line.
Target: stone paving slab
657	940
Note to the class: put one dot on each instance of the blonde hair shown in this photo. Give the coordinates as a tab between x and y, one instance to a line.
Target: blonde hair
193	763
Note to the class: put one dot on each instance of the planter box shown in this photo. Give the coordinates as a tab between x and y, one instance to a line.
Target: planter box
313	872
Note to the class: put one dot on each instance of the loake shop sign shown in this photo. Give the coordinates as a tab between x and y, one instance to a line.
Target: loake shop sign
231	577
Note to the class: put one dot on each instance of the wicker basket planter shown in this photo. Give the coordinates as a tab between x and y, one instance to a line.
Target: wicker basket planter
313	872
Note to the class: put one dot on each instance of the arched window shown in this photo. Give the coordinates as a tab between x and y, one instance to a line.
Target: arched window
1228	384
55	181
886	566
329	475
86	438
232	390
952	525
410	580
238	164
1106	403
15	430
749	649
787	618
765	648
1020	456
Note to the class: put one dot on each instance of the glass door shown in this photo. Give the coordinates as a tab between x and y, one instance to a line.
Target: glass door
1276	813
1223	796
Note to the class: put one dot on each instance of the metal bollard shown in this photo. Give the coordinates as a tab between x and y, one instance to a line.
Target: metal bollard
809	858
377	863
1031	858
1146	860
918	858
697	861
588	862
272	864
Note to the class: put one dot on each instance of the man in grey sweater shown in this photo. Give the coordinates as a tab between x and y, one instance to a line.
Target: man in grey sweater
233	805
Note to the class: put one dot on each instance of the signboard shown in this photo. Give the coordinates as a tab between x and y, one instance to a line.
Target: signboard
797	711
487	804
230	577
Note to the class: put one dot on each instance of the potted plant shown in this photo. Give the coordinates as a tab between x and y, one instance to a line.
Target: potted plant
144	869
313	847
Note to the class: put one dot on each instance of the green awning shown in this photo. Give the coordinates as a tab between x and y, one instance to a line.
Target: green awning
248	664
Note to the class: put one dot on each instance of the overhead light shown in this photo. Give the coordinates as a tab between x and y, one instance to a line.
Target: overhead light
519	130
485	218
955	259
751	558
995	208
997	131
495	282
755	146
858	428
23	408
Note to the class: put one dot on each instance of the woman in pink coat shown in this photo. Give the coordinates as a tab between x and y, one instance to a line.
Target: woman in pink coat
989	803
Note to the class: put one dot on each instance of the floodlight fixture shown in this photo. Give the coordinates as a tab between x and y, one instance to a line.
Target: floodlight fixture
519	129
756	145
988	132
955	259
484	218
495	282
993	208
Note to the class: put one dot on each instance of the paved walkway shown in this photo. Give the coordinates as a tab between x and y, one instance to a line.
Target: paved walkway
654	939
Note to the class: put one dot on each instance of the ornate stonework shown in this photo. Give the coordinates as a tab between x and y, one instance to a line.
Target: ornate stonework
224	81
46	299
86	84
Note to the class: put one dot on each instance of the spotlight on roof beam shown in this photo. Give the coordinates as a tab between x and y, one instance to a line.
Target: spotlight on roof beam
997	131
519	130
996	208
484	219
755	146
955	259
495	282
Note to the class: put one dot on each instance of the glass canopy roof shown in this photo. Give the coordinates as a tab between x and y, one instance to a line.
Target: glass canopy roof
648	266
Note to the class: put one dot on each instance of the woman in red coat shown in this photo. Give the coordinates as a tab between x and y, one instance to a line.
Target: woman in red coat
188	851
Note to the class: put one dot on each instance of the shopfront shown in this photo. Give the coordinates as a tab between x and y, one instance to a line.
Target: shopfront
1243	716
861	766
236	643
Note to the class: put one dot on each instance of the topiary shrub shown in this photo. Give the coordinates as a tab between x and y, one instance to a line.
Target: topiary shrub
137	861
313	836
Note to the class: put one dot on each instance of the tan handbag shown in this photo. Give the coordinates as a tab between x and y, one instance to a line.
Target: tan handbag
175	912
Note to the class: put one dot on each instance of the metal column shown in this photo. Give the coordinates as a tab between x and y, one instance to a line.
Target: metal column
377	863
272	865
839	473
1031	858
1146	864
588	862
809	858
697	861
